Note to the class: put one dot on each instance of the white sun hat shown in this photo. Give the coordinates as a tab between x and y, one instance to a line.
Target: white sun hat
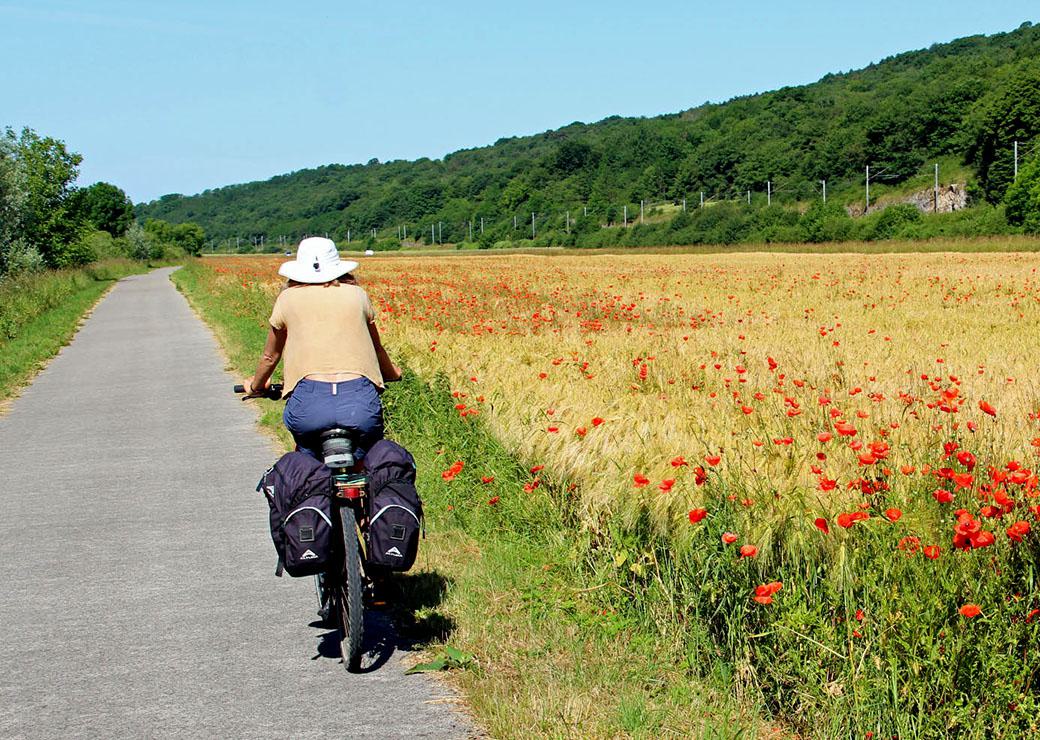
317	261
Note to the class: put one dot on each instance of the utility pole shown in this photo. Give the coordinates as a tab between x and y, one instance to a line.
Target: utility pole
433	235
532	224
702	199
514	223
824	183
471	231
406	231
481	224
935	195
868	190
373	233
684	205
626	217
640	211
1016	160
440	232
586	213
568	221
348	236
749	197
769	193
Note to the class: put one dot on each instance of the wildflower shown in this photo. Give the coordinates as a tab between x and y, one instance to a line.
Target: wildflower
640	480
485	479
748	551
581	431
596	421
713	460
970	610
456	468
1018	530
821	524
494	500
697	515
987	408
678	462
728	538
666	484
893	515
932	552
764	593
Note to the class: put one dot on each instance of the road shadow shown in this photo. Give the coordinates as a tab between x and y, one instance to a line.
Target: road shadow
406	618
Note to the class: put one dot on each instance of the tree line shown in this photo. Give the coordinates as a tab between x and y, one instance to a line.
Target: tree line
966	102
46	221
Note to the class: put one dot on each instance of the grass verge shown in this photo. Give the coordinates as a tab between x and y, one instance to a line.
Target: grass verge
40	313
558	654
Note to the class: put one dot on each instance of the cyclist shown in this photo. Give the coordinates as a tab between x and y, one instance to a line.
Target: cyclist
323	325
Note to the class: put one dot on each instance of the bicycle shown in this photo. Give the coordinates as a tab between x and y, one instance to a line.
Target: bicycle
341	588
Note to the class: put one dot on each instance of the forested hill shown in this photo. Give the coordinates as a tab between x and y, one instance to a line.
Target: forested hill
967	100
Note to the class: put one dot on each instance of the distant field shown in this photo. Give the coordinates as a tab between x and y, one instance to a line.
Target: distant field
931	246
817	468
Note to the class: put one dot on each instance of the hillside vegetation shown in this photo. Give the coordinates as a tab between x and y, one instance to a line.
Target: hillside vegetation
962	103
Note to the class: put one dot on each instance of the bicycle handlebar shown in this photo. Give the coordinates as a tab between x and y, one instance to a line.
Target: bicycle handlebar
274	391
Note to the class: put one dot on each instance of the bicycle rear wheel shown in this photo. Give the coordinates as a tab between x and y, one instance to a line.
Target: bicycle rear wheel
349	598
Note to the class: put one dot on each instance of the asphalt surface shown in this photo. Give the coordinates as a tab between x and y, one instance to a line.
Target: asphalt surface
137	595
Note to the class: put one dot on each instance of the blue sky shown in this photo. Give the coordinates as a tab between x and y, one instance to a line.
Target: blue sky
182	96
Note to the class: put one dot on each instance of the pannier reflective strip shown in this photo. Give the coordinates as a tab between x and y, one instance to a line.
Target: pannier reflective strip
391	506
314	508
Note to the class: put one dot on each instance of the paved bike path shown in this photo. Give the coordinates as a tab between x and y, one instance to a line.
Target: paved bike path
137	596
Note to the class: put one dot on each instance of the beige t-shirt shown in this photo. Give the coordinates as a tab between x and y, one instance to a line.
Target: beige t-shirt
327	332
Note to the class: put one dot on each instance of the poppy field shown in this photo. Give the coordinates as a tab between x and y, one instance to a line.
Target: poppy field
817	474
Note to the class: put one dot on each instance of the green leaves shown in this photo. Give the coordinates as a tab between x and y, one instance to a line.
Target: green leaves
448	659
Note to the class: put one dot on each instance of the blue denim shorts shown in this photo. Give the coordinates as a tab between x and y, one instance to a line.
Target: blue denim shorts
315	405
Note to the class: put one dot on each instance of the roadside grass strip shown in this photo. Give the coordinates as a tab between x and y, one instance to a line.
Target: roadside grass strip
41	312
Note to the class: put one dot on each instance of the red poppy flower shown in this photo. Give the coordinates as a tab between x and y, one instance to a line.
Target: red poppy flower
824	437
748	551
970	610
678	462
893	514
1018	530
931	552
821	524
943	496
493	500
987	408
666	484
485	479
596	421
713	459
640	480
728	538
697	515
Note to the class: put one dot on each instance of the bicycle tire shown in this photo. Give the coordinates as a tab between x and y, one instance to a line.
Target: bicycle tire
351	588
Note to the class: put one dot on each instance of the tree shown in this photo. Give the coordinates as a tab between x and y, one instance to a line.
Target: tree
1023	198
1011	113
45	172
105	207
190	237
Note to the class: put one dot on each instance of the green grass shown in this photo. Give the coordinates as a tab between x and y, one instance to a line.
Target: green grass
511	582
40	312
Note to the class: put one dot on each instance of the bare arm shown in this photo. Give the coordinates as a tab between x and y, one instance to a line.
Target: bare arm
268	360
387	368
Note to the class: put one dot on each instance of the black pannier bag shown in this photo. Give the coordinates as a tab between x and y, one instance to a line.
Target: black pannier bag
394	509
297	488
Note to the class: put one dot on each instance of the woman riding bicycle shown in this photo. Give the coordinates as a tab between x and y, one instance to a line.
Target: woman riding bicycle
335	364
